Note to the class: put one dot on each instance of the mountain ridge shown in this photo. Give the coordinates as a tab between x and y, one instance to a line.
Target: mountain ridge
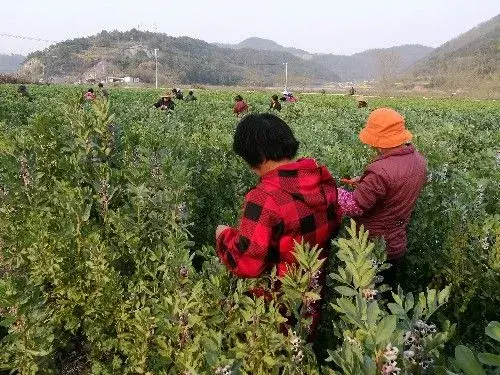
180	59
359	66
472	54
10	63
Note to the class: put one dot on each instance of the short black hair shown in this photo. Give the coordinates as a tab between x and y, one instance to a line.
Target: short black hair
91	90
274	97
262	137
190	92
238	98
100	84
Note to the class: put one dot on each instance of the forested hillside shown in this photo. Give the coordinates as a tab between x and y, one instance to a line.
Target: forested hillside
183	60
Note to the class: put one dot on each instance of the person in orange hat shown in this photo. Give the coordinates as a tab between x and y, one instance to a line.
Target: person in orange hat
385	195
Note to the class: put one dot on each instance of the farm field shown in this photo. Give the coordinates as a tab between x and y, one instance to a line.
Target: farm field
107	221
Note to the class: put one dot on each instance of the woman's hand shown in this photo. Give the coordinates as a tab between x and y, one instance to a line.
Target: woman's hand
350	181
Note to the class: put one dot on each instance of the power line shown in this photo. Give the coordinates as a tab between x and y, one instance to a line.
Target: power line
27	38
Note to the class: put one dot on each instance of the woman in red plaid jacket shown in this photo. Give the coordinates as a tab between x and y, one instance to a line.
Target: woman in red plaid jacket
294	200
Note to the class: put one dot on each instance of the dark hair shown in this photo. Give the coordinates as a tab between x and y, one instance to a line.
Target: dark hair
261	137
190	92
91	90
238	98
174	91
100	84
274	97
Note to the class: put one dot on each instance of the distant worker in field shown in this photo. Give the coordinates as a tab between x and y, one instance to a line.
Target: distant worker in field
190	97
362	102
275	104
102	91
352	91
294	201
385	195
89	95
165	103
288	97
240	106
177	94
23	91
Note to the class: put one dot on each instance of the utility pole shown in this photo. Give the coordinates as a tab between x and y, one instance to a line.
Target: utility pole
156	67
286	75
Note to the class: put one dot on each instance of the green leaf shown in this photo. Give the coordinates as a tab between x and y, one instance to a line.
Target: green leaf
489	359
372	313
396	309
346	291
493	330
409	302
385	329
467	362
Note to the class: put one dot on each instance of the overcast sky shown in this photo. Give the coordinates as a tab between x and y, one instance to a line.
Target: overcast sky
340	27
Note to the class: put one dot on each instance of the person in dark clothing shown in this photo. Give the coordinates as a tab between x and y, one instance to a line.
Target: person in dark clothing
23	91
275	104
362	102
177	93
190	97
165	103
102	91
352	91
294	201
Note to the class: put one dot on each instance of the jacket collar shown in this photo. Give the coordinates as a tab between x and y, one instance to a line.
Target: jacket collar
304	163
405	150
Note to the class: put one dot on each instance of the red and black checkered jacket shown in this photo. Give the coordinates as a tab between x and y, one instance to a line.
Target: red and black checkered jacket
293	202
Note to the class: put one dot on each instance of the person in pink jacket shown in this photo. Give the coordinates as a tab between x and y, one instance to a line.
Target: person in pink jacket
385	195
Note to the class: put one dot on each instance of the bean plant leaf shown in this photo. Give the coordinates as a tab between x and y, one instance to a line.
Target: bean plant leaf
489	359
346	291
467	362
493	330
385	329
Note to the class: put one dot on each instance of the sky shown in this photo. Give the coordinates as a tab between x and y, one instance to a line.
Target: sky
318	26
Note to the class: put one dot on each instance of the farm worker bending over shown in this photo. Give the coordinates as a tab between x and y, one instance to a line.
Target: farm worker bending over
23	91
294	200
240	106
89	95
177	93
385	195
102	91
165	103
275	104
190	97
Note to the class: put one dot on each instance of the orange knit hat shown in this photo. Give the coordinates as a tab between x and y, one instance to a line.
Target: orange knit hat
385	128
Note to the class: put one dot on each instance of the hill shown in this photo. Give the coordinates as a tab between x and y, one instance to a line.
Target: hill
472	55
181	60
261	44
374	63
10	63
367	65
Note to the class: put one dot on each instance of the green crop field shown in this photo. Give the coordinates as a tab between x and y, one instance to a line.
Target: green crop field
107	221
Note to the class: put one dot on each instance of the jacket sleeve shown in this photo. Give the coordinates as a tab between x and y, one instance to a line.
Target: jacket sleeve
245	250
370	190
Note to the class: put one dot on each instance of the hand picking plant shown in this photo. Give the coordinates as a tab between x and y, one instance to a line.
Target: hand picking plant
380	337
